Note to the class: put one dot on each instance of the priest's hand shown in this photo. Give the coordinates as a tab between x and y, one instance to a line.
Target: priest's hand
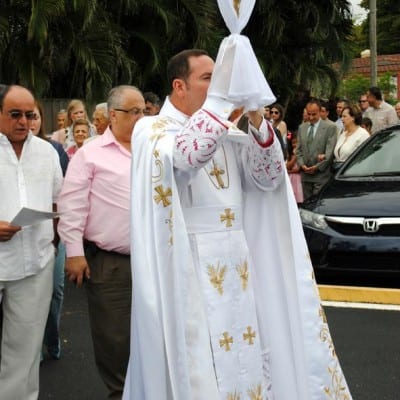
77	269
256	118
7	231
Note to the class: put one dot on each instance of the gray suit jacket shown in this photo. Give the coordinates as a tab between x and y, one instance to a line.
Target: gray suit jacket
323	143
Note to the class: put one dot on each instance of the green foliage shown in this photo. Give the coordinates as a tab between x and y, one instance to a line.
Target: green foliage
387	26
81	48
353	87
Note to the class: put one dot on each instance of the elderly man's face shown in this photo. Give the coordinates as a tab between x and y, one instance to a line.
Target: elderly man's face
100	121
16	114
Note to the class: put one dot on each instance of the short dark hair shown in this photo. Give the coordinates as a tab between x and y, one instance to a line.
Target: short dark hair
376	92
314	101
152	98
3	91
367	122
355	112
178	66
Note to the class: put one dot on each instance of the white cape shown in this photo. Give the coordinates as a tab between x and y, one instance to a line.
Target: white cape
170	348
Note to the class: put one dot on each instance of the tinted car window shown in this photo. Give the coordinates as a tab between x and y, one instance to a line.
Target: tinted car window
380	157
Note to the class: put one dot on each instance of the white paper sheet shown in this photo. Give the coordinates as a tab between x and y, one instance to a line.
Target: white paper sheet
27	216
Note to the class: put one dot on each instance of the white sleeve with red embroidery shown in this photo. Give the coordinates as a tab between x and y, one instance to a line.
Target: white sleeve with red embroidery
263	160
196	144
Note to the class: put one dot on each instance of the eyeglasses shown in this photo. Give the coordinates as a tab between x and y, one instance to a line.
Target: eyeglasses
362	101
17	114
132	111
274	112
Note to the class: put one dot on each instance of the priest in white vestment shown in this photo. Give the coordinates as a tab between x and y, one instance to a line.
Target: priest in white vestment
225	304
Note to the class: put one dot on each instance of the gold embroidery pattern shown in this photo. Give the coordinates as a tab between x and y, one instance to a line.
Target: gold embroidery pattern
162	195
243	271
226	341
236	6
228	217
217	276
216	173
170	223
338	389
158	129
249	335
233	396
255	393
322	314
159	165
326	338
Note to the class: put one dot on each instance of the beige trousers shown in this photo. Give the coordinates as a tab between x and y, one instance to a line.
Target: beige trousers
25	306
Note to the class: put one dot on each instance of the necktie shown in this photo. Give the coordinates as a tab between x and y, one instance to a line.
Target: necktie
310	135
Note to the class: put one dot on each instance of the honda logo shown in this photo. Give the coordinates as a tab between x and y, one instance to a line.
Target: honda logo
370	225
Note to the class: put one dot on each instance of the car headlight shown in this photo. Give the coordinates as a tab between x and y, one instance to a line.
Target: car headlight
313	219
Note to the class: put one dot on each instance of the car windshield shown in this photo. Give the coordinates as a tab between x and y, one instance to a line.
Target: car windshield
380	157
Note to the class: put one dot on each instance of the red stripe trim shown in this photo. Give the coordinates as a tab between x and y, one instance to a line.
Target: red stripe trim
215	118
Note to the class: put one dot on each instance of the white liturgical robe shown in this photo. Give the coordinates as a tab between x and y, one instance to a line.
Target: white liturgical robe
225	304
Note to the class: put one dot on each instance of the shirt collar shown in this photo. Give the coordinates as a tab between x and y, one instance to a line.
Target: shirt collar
316	125
108	137
168	109
4	138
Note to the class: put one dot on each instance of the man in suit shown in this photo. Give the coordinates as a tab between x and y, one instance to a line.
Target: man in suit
316	142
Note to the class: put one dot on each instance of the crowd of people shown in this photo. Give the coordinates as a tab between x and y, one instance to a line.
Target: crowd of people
320	145
196	173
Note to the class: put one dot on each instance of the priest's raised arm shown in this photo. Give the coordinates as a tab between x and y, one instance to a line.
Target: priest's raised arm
258	153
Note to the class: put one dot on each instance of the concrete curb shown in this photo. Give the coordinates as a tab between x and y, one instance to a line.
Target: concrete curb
359	294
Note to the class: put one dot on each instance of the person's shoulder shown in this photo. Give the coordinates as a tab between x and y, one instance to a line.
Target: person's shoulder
362	133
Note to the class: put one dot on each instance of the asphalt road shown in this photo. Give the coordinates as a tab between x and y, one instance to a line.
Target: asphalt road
367	343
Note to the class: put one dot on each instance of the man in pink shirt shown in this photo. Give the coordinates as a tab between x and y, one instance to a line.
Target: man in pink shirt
94	226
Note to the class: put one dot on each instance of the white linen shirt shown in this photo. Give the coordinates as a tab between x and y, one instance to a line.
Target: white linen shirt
34	181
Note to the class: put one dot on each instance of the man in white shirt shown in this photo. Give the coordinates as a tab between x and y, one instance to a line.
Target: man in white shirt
379	112
30	177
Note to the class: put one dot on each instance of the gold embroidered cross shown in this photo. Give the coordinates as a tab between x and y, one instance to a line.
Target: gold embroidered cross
226	341
236	6
249	335
217	172
162	195
228	217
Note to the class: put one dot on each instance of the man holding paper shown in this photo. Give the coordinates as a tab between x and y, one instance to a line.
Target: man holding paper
30	177
223	309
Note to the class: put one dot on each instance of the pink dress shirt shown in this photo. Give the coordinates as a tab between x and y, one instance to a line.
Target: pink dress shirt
95	197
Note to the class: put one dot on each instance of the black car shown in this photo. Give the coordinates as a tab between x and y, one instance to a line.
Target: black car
353	226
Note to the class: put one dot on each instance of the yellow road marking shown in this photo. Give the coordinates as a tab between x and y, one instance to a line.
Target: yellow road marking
359	294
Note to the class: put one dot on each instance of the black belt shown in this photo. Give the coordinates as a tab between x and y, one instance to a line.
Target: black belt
91	249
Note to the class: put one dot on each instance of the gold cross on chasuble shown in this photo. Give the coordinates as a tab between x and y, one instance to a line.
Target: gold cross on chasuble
217	172
228	217
162	195
249	335
226	341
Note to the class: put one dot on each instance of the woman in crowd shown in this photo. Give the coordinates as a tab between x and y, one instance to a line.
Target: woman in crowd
277	120
52	331
80	131
351	137
75	110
